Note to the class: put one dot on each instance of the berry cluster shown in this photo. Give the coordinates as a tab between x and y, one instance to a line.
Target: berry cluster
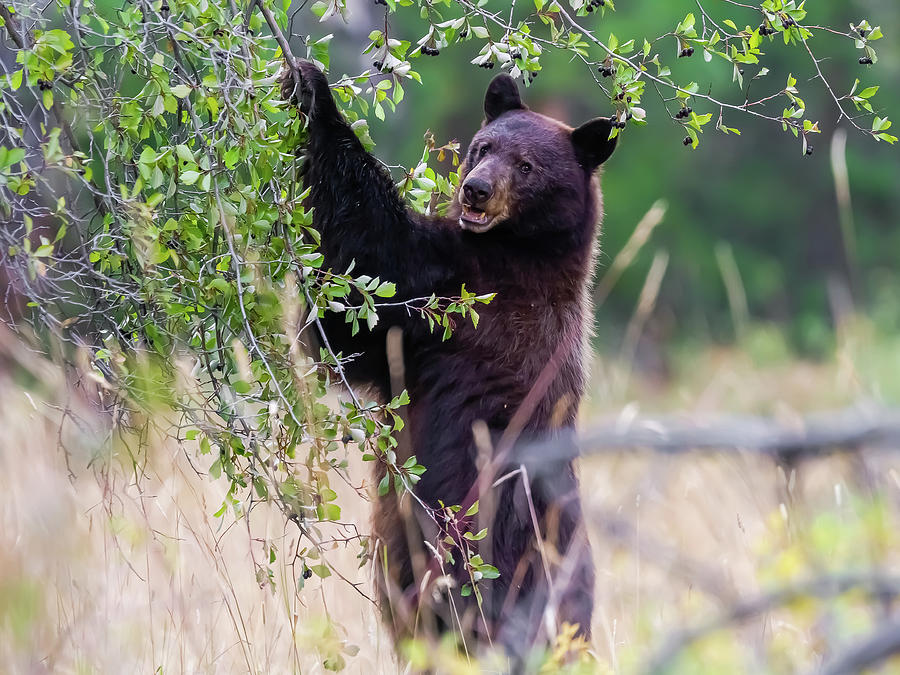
45	85
809	149
684	112
865	60
430	51
687	141
766	30
787	22
606	71
378	65
594	4
620	124
531	76
486	64
687	51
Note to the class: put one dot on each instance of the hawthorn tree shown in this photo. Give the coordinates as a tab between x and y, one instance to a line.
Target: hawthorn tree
153	218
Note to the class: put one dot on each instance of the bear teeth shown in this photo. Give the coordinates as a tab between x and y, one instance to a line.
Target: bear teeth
474	215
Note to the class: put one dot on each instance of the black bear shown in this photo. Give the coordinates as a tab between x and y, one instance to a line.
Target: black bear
522	225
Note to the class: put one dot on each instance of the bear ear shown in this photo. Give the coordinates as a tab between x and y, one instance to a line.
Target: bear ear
592	143
502	96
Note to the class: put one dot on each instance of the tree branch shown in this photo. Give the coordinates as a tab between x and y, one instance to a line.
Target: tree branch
850	429
828	586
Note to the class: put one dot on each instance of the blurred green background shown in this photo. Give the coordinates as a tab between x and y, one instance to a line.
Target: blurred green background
776	208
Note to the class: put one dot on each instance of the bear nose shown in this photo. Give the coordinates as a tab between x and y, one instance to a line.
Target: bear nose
477	191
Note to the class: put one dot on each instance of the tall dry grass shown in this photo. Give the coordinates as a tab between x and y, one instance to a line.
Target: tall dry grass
112	562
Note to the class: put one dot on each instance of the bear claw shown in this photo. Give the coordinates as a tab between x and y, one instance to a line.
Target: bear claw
311	82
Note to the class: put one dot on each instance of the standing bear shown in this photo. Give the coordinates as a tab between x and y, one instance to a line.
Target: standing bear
523	225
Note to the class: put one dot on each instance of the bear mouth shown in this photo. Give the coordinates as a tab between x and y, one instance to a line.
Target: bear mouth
474	219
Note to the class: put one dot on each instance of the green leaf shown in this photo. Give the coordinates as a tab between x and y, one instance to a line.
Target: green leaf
181	90
10	157
386	290
868	92
189	177
321	571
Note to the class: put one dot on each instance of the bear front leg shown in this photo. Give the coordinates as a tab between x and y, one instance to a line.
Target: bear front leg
358	211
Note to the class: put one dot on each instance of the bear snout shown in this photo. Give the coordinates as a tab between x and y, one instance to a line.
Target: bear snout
477	191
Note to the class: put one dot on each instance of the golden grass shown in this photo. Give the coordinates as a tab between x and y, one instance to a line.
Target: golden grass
108	572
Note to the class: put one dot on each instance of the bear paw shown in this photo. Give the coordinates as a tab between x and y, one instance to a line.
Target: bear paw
306	86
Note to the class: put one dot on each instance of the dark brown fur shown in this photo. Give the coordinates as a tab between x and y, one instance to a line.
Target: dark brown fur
537	255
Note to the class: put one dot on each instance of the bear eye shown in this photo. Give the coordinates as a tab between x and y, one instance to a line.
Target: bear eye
484	149
525	167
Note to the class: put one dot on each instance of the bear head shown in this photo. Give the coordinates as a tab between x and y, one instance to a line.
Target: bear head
526	173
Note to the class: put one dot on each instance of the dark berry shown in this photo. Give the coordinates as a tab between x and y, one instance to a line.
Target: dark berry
307	573
164	8
866	61
809	149
687	51
463	33
741	71
378	65
628	99
863	32
687	140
